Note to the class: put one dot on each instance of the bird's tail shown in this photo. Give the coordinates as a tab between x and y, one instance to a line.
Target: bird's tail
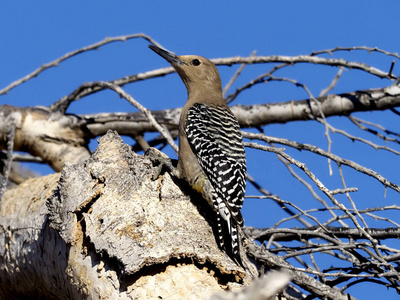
228	238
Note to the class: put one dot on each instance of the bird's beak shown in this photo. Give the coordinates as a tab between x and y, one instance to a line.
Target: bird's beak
168	56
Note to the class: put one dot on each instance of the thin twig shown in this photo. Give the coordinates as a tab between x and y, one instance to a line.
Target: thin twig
332	84
308	186
304	59
364	211
314	149
57	61
367	142
350	199
165	133
369	49
320	185
236	75
276	199
358	122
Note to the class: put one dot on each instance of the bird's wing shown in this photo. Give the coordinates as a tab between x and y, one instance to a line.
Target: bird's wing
215	138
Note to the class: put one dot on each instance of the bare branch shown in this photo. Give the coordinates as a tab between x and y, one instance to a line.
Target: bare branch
356	138
314	149
236	75
303	59
333	83
357	213
358	122
298	277
251	115
287	60
320	185
364	48
165	133
56	62
296	234
331	105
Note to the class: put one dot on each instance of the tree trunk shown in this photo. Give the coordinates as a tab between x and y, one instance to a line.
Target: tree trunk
102	229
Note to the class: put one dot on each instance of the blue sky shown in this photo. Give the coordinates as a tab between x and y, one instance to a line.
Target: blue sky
36	32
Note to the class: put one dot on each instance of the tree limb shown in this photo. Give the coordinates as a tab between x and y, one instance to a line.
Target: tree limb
103	229
54	137
256	115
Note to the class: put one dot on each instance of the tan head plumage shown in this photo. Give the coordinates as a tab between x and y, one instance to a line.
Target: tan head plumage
199	74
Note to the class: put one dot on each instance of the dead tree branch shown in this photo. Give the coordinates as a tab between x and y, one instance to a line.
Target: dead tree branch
104	229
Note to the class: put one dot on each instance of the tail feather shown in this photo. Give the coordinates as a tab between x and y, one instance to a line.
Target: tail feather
227	229
228	239
220	232
235	244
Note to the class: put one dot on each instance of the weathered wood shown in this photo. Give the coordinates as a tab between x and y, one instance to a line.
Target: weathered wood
103	229
54	137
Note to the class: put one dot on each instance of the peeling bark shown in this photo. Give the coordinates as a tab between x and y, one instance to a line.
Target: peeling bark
102	229
54	137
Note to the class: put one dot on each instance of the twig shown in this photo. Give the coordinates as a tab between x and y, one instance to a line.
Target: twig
309	187
268	195
363	280
367	142
344	191
332	84
383	219
27	158
314	149
364	211
391	67
304	59
369	49
389	132
56	62
350	199
358	122
259	79
326	191
165	133
236	75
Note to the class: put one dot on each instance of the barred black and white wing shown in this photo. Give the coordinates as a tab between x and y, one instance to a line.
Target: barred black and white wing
215	138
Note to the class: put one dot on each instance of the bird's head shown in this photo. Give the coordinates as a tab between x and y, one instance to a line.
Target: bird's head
198	73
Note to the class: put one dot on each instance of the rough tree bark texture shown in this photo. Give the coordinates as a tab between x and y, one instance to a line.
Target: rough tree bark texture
102	229
55	137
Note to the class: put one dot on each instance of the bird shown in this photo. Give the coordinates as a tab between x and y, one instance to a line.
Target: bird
211	155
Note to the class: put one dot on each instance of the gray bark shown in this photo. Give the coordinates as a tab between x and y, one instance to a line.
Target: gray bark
58	138
102	229
258	114
54	137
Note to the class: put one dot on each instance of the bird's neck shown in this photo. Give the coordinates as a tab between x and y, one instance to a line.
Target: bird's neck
207	94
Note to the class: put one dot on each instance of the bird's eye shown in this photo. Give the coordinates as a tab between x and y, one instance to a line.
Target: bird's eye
195	62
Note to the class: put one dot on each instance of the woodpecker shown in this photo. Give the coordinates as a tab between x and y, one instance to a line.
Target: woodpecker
211	154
